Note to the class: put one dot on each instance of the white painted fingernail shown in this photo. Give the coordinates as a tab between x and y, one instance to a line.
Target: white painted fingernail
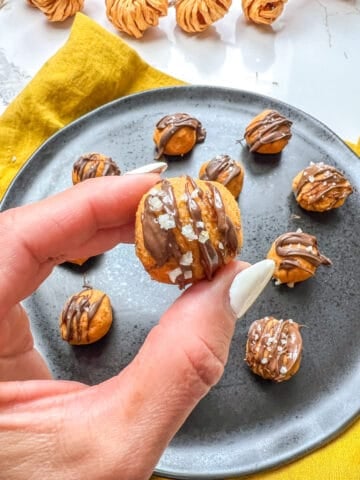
157	167
248	284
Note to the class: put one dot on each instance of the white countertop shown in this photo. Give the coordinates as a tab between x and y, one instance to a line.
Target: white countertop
309	58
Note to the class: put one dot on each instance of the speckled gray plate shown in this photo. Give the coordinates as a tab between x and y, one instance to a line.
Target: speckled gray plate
245	424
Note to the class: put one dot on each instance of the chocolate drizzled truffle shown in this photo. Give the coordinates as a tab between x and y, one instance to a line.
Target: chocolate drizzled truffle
225	170
92	165
269	132
186	229
297	256
177	134
274	348
320	187
86	317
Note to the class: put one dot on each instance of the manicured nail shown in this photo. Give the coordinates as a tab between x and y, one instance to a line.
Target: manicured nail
248	284
157	167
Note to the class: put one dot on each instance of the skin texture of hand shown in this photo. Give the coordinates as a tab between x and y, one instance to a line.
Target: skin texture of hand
118	429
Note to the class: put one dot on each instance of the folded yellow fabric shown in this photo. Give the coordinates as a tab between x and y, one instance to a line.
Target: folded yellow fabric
356	148
93	68
106	69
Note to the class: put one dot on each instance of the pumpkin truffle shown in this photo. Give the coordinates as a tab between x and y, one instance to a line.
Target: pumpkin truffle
274	348
297	256
269	132
86	317
177	134
91	165
186	229
320	187
225	170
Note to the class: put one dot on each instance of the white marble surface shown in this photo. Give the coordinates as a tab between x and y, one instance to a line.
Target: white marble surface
309	58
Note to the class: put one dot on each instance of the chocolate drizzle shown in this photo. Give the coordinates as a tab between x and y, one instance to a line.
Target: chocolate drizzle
88	166
73	311
161	217
170	124
293	245
221	164
274	348
322	179
271	128
210	257
161	242
224	224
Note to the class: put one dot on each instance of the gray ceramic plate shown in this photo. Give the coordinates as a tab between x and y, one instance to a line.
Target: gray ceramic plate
245	424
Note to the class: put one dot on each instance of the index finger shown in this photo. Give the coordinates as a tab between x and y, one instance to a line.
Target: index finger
34	238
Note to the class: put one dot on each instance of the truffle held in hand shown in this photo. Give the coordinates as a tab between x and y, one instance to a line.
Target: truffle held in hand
297	256
274	348
263	11
186	229
58	10
225	170
269	132
134	17
177	134
86	317
320	187
195	16
93	165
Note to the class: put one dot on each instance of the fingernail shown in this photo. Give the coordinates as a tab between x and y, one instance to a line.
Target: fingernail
248	284
157	167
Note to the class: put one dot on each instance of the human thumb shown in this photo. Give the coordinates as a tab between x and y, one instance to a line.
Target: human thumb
180	360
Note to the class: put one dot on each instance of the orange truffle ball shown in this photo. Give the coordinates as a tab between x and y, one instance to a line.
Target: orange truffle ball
320	187
91	165
177	134
225	170
86	317
297	256
274	348
269	132
187	229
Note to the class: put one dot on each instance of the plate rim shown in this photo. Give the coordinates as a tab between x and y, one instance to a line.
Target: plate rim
226	473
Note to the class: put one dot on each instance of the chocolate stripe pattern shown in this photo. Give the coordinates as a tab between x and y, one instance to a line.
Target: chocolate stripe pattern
161	218
74	310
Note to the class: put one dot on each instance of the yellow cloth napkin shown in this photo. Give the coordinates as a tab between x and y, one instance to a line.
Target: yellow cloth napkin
356	148
92	68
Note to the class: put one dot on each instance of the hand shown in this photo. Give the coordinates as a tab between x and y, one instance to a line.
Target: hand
116	430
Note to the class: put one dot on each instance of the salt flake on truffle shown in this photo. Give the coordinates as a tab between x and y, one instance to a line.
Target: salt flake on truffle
174	274
166	221
155	204
188	232
203	236
186	259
